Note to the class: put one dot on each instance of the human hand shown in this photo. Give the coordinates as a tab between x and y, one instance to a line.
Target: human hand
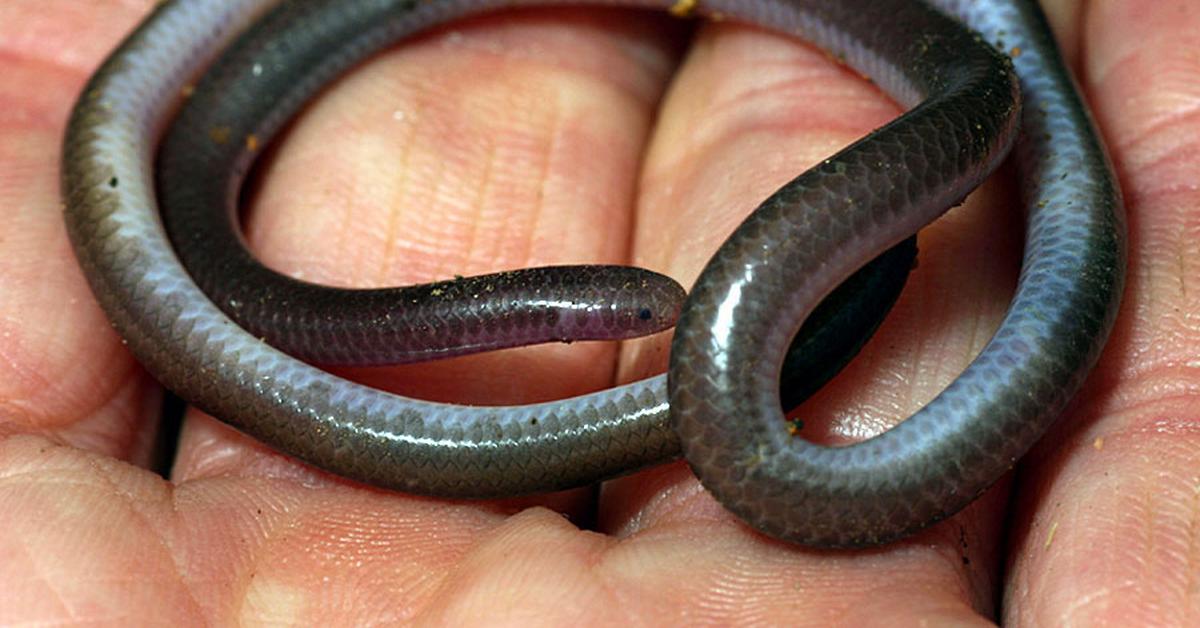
530	138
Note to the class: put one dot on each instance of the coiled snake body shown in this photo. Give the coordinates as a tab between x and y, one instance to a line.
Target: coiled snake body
719	403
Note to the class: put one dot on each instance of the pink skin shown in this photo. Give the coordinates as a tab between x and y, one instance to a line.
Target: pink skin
1105	510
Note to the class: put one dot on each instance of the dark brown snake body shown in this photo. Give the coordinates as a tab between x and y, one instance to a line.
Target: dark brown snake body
720	404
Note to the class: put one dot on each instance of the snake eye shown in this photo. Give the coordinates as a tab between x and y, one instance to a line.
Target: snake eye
645	314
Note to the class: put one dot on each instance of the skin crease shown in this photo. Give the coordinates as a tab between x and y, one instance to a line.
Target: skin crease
558	107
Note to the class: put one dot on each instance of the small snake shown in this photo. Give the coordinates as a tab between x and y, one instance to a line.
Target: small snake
736	326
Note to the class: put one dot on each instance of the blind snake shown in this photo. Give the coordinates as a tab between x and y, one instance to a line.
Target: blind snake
721	392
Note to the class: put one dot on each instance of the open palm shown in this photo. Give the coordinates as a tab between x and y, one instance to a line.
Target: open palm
552	136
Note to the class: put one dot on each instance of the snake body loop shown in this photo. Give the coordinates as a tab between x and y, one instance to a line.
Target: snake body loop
736	325
724	358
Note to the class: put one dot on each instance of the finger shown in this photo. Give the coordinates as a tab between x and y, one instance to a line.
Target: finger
87	539
748	112
497	143
1107	514
63	372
